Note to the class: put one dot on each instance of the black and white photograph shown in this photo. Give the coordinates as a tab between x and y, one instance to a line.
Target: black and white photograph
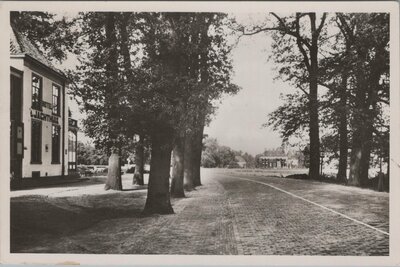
198	128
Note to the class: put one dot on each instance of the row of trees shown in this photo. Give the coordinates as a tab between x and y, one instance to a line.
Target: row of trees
339	63
217	156
155	76
89	155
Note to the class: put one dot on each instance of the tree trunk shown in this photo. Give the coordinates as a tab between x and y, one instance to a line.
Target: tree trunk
178	169
366	155
114	173
188	169
387	181
360	156
357	148
364	115
355	162
380	182
371	114
124	21
198	149
139	162
205	41
158	197
358	125
313	103
343	142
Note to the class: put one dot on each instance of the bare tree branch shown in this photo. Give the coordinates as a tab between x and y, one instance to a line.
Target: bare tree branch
321	23
303	90
329	86
345	26
282	27
300	45
259	29
285	29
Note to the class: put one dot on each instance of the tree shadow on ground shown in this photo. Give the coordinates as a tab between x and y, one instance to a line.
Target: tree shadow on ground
63	184
98	180
135	188
35	217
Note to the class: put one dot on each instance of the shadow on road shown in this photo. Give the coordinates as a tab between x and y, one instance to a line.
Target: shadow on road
34	218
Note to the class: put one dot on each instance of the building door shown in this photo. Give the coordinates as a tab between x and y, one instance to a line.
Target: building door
17	128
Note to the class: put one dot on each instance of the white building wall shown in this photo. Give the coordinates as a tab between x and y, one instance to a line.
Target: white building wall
46	168
65	111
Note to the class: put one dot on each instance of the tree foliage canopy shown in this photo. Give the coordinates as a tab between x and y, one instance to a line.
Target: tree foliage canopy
53	35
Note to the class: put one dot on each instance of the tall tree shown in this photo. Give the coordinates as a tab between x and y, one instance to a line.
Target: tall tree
129	28
207	69
335	75
153	106
111	102
102	88
304	32
368	35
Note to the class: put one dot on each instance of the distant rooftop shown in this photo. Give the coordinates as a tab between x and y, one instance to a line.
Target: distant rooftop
274	157
240	159
20	46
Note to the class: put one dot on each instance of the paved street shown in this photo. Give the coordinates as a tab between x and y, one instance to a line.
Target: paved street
232	213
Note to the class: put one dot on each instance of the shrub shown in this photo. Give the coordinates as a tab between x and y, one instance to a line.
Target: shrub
298	176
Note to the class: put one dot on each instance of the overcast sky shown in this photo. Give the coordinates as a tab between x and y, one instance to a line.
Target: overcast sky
239	118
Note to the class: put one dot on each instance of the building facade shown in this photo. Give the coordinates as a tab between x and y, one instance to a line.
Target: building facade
41	130
273	161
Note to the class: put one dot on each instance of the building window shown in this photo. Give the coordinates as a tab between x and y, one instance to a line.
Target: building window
37	85
55	144
56	99
71	150
36	142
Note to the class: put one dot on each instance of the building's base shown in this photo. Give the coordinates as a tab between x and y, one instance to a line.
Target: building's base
27	183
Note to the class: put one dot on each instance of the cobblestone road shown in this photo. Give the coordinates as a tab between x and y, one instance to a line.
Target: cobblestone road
230	214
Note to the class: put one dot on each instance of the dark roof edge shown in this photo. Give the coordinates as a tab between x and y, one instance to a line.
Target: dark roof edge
35	61
16	70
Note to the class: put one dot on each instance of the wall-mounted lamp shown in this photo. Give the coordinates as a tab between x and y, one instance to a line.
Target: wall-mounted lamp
46	147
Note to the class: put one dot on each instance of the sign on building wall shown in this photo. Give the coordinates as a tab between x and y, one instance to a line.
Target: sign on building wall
37	114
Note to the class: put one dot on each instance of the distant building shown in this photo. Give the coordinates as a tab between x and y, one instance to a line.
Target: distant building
43	137
241	161
273	161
